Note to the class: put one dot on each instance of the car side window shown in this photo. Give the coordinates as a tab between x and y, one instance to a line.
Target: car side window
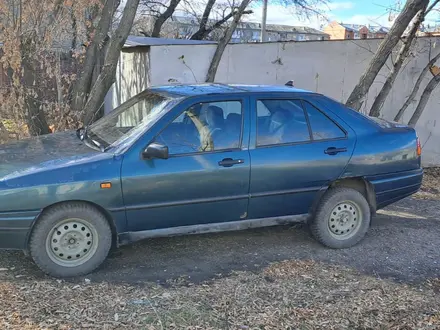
204	127
286	122
323	128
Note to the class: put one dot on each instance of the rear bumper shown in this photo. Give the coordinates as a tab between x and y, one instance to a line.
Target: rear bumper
15	228
390	188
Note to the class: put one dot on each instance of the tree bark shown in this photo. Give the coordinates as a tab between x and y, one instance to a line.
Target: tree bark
416	88
35	116
83	84
221	46
163	17
107	75
403	54
424	100
387	45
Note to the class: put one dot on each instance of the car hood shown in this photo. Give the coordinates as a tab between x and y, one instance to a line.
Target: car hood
42	152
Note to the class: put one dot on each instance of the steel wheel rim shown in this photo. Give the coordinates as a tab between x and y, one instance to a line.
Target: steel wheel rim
345	220
72	242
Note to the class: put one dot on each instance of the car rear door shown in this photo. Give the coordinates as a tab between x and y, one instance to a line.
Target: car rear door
197	184
296	150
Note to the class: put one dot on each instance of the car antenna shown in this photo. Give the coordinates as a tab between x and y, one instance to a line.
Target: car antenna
289	83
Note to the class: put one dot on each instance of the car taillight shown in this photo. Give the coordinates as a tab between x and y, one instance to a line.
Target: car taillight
419	147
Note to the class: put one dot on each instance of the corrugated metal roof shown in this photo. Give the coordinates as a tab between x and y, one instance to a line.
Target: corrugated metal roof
135	41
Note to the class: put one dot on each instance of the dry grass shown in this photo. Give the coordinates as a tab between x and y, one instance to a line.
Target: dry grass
286	295
431	184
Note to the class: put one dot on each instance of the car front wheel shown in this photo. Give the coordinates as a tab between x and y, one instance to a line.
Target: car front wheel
342	218
70	240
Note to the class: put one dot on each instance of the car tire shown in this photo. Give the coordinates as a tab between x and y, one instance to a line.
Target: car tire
342	218
69	240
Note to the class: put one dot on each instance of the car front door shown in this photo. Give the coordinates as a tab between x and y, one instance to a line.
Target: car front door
206	177
296	150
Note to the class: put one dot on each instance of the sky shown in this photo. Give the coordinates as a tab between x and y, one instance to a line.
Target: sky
364	12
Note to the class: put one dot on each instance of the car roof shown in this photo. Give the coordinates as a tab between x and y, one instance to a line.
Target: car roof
215	88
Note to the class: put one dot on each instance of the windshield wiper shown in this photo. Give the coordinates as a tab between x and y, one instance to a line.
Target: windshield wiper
83	136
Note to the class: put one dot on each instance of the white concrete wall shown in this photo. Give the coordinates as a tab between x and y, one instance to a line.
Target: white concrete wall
329	67
132	77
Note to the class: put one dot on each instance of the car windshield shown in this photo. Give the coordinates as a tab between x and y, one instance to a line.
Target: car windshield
131	118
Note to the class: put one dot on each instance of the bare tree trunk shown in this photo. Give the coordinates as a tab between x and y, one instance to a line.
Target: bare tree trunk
424	100
83	85
35	117
212	71
200	34
163	17
403	54
416	88
387	45
74	30
107	75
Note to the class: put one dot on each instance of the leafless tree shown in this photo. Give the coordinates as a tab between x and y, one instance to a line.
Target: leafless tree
210	77
416	87
357	96
433	83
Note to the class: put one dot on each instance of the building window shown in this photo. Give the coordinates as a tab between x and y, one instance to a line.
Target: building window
364	36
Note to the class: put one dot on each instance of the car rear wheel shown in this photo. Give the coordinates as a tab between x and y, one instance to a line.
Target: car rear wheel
70	240
342	218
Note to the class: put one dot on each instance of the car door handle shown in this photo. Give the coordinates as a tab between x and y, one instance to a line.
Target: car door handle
334	151
228	162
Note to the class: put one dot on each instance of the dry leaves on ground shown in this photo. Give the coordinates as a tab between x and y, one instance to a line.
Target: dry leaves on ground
291	294
431	184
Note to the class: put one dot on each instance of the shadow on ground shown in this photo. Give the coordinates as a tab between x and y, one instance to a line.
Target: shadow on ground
403	244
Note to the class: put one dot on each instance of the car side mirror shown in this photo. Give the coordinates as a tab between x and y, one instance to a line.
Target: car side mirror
155	150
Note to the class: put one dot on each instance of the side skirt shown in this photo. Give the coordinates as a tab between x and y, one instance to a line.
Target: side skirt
130	237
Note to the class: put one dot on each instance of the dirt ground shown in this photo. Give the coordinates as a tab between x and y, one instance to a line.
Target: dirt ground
273	278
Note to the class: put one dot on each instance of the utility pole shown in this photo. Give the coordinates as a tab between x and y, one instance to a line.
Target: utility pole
263	37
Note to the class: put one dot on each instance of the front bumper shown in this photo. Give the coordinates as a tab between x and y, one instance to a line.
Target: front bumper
15	228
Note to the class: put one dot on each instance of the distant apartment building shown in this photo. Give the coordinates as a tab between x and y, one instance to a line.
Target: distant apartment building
429	31
341	31
251	32
181	27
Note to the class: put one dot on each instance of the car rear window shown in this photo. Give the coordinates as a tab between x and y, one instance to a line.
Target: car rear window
337	107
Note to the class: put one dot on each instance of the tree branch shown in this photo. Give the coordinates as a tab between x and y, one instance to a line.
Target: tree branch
432	6
403	54
107	75
357	96
416	88
424	100
163	17
221	46
202	34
